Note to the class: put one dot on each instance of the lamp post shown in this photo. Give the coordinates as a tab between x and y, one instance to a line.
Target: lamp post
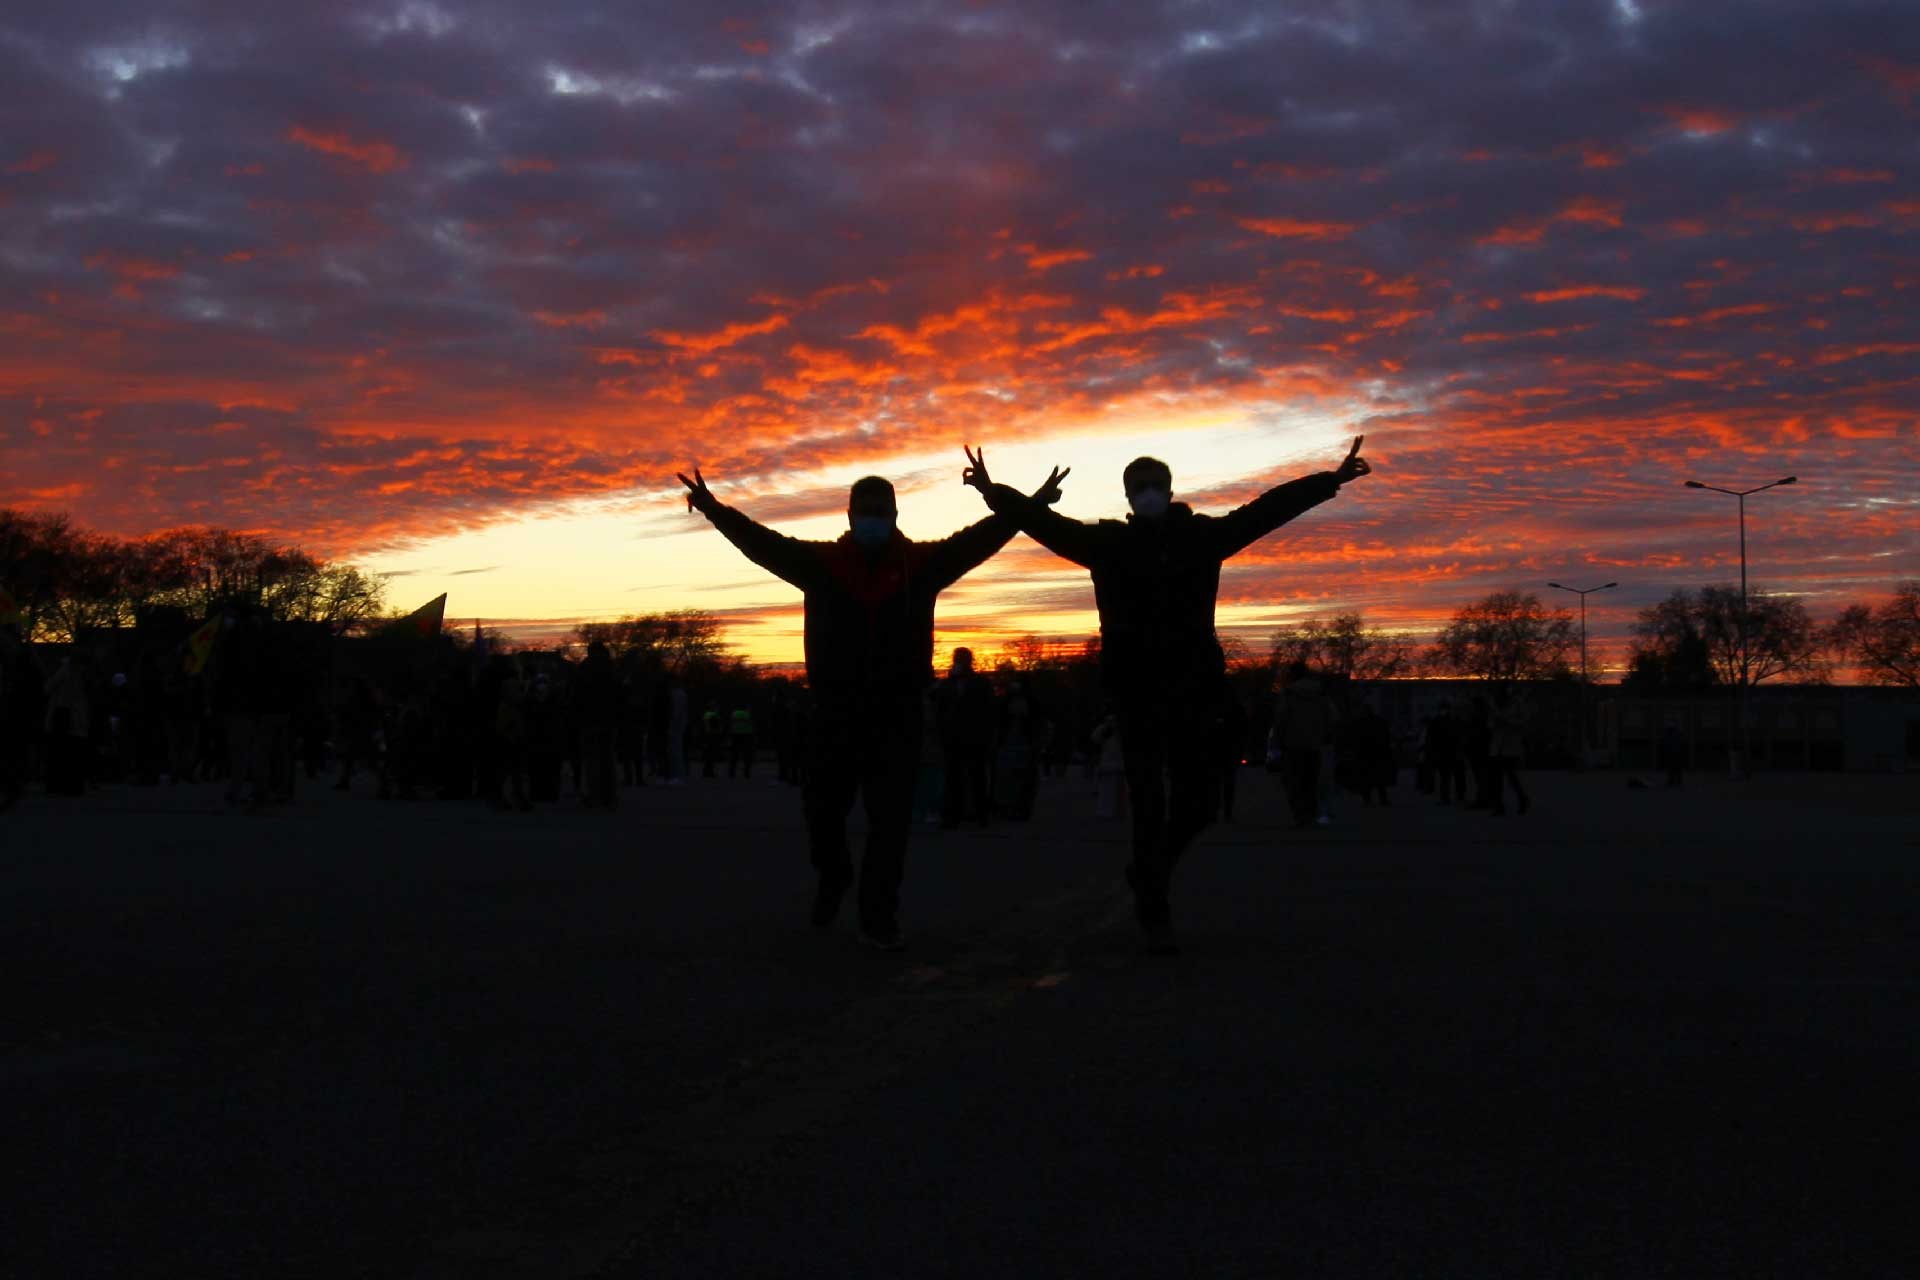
1746	666
1586	729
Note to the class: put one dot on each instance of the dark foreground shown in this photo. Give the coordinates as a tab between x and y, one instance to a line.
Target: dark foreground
1630	1034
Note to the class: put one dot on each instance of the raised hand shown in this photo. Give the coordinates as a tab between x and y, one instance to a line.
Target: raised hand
699	497
1355	466
1049	492
975	473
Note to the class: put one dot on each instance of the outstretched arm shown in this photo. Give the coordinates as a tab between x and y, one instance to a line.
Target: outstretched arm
955	557
787	558
1062	535
1243	526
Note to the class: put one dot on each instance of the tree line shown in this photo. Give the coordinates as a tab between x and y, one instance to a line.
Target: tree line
65	579
1694	639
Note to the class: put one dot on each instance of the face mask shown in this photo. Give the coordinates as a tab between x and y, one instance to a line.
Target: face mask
873	532
1149	503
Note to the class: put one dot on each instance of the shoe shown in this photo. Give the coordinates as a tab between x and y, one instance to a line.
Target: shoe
885	938
1525	804
1160	940
1324	820
826	900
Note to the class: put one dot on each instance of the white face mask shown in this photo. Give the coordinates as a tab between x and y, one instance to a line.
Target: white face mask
1150	504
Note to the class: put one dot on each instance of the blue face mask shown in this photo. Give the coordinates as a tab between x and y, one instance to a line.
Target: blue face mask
1149	503
873	532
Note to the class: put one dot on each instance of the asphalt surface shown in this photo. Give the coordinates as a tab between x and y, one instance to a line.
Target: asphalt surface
1632	1033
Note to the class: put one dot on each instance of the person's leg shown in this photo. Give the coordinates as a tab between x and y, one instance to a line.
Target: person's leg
1195	787
979	789
890	757
1143	749
959	777
833	775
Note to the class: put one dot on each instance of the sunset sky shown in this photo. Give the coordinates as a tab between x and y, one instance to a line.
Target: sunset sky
453	290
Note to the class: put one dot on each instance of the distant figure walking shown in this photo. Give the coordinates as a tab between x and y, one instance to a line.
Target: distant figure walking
740	742
1302	727
1155	579
1506	740
965	712
869	648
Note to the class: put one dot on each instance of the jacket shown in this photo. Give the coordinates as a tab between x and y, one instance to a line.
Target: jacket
1155	581
869	616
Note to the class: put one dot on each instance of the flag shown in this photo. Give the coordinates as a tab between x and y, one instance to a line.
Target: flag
9	609
426	619
200	645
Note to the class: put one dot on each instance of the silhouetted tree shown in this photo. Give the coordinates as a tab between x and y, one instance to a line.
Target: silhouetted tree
1343	645
687	642
1508	635
67	579
1770	636
1884	639
1669	652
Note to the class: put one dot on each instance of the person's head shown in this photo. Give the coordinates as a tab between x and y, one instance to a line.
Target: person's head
963	660
871	512
1149	486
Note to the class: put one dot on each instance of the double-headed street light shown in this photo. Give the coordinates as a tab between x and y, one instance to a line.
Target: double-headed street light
1746	666
1586	731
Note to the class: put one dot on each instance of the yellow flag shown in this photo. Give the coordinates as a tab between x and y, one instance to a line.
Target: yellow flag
427	618
200	645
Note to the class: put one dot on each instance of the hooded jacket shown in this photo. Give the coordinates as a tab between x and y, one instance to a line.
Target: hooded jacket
869	615
1155	581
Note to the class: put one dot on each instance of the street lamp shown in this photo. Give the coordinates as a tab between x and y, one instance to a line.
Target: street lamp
1586	730
1746	666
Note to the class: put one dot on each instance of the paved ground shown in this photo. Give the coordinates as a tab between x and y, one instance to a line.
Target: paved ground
1634	1033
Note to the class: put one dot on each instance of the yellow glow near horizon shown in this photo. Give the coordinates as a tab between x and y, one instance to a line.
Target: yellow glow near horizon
643	552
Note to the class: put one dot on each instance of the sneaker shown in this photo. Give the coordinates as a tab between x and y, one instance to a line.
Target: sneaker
826	900
1325	821
885	938
1160	940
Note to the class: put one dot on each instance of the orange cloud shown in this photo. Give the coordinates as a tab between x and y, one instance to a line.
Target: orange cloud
702	343
375	156
1699	120
1626	293
1296	229
1039	261
1716	316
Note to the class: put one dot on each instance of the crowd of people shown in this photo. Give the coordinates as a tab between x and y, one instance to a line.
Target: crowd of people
261	704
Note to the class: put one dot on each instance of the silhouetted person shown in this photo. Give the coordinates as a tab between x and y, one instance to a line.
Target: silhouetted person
869	648
1155	578
1476	743
1673	752
1231	749
1444	751
1302	726
1506	724
713	739
965	714
1020	738
1375	768
740	742
22	709
597	702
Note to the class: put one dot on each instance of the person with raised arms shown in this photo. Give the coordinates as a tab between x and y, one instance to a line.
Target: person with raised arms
1155	579
869	649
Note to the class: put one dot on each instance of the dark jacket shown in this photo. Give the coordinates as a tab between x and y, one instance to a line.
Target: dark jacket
869	617
1155	580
